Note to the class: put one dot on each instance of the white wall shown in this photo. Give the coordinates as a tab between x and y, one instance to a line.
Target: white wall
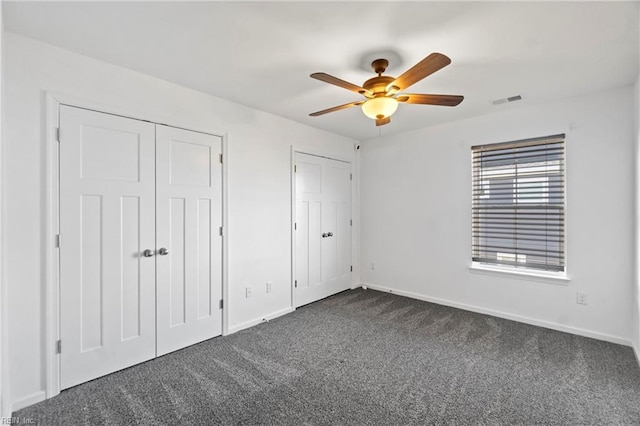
636	298
5	410
636	316
416	204
259	186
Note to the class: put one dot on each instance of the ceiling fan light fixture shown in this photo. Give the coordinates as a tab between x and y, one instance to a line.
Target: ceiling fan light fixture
381	92
380	107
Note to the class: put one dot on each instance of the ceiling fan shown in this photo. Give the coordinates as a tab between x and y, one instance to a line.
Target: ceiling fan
382	92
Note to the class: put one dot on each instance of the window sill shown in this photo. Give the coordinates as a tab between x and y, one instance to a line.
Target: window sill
552	278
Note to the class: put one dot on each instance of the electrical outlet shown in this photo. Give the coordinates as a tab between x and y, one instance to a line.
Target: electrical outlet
269	286
248	289
581	298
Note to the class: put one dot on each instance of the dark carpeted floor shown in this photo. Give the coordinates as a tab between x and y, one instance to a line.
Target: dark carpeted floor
368	358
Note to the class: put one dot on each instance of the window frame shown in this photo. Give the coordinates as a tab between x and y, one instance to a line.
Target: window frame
521	271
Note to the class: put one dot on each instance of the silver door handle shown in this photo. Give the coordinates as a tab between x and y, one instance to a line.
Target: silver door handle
324	235
330	234
147	253
163	251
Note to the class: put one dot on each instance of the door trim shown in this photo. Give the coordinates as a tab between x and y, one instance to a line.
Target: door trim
350	161
50	225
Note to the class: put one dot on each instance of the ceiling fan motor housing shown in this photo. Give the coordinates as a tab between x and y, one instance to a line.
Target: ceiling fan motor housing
378	85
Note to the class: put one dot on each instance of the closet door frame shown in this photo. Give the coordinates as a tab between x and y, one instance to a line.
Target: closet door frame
354	211
50	251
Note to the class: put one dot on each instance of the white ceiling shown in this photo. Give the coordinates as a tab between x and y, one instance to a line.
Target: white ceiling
260	54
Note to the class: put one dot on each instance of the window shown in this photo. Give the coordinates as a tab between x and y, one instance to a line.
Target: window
518	204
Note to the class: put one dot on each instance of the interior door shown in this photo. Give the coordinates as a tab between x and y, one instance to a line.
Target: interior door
140	241
308	229
189	256
337	217
107	209
323	227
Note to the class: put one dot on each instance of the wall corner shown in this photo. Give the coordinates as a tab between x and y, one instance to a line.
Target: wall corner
635	328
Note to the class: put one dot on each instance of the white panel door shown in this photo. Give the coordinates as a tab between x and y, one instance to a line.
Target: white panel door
308	233
189	217
337	218
323	227
107	209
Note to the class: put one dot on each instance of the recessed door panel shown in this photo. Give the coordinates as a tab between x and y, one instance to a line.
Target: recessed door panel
309	176
204	277
189	163
110	154
343	238
107	208
329	253
315	243
177	262
130	282
302	244
91	283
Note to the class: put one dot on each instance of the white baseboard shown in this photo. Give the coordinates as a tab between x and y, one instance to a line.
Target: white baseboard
257	321
509	316
29	400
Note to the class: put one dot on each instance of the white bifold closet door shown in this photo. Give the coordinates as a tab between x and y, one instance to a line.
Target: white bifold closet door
129	189
189	217
322	228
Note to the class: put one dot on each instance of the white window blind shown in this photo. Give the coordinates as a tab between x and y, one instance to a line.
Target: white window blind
518	204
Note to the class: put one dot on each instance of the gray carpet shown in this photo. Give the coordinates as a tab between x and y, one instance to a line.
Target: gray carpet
368	358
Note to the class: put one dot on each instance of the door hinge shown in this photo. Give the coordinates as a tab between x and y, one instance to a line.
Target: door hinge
352	268
59	347
221	303
350	222
295	226
350	176
220	158
57	241
296	283
295	169
221	231
58	134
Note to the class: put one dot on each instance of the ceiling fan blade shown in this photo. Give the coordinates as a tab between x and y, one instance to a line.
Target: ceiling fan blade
383	121
422	69
336	108
443	100
340	83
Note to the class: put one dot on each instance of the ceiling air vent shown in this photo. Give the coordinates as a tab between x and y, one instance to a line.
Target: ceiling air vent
507	100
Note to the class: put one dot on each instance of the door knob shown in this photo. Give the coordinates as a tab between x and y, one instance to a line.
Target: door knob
147	253
330	234
163	251
324	235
